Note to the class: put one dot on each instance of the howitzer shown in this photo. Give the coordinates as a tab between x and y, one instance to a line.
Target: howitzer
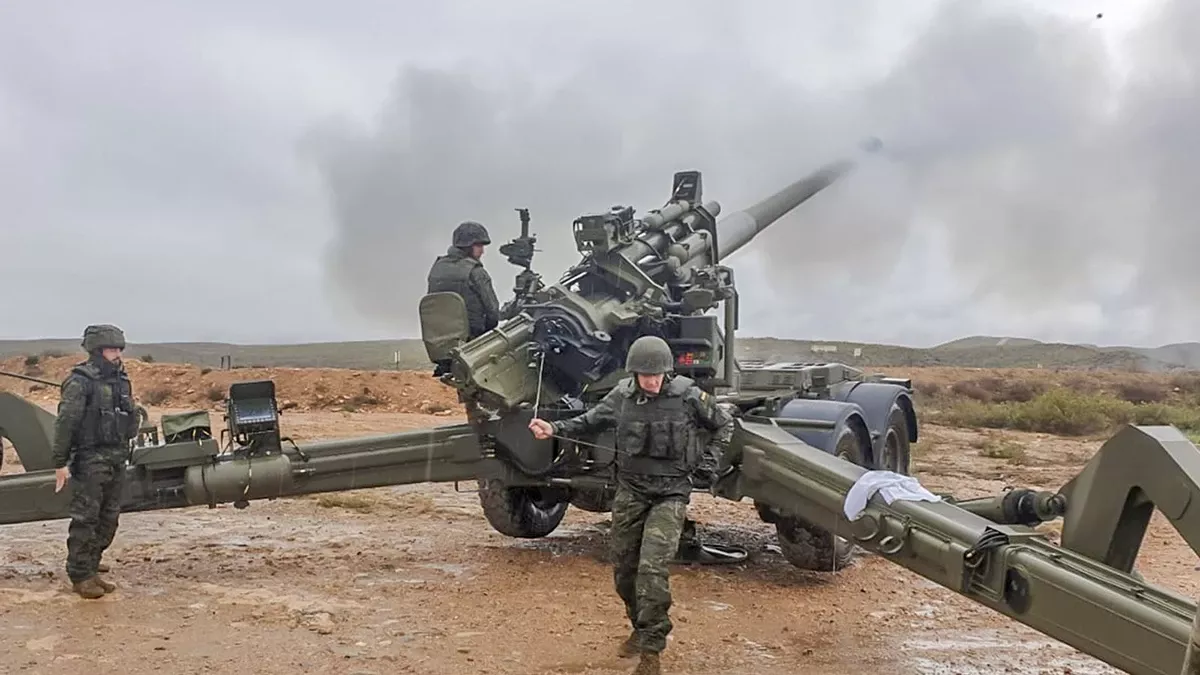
561	348
805	433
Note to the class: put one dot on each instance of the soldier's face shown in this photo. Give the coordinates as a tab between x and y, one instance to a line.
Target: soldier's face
650	383
477	251
111	354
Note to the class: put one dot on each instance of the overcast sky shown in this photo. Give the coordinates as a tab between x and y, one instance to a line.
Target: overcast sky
286	171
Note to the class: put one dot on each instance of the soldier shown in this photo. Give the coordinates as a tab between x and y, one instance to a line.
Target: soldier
656	415
96	420
461	271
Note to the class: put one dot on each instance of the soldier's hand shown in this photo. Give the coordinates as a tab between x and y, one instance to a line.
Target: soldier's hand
541	429
60	478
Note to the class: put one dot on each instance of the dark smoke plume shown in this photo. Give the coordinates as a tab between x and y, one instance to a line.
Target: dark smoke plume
1056	191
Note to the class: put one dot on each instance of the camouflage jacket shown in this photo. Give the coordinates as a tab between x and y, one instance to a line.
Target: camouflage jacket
457	272
95	412
626	401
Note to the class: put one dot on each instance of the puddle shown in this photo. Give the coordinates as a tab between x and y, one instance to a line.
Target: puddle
982	652
449	568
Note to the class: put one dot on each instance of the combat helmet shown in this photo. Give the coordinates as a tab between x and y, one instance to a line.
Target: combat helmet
102	336
649	355
469	233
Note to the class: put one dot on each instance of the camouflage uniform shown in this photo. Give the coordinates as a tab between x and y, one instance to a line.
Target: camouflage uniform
459	272
96	420
658	456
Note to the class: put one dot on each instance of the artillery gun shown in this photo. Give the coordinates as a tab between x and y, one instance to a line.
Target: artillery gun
805	436
559	349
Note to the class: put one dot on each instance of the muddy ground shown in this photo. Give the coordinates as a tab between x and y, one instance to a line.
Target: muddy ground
413	580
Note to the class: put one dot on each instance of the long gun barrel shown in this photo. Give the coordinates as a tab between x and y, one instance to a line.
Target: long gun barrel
738	229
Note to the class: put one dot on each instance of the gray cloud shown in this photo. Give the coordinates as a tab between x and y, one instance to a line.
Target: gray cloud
1007	130
1026	188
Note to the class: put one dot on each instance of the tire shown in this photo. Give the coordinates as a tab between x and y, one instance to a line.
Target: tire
523	512
809	547
896	454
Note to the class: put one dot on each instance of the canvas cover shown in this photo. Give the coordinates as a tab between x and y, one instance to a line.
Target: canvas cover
186	426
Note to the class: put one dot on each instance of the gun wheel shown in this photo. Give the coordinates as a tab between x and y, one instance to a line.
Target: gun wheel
897	451
810	547
524	512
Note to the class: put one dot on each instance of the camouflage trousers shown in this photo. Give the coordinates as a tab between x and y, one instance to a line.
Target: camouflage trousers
98	478
645	536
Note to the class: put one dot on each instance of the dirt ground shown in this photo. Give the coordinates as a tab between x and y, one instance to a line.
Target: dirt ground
413	580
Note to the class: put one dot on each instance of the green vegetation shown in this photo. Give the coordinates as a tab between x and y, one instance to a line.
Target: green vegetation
1070	412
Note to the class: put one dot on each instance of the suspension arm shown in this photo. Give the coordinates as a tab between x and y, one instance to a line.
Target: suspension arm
1013	569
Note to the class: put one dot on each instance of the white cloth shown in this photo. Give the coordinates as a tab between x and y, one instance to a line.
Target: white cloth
890	485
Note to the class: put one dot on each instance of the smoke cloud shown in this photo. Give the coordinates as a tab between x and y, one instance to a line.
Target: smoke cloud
1037	177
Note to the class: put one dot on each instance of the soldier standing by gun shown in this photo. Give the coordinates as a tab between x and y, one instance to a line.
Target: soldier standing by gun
461	271
96	420
656	415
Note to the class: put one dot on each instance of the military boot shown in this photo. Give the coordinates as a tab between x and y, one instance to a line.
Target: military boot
88	588
648	665
629	647
108	586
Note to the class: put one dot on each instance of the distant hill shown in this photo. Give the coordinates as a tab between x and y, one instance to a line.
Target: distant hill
970	352
1187	353
987	341
358	355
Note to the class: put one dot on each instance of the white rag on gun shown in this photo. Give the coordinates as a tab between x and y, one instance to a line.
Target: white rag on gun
890	485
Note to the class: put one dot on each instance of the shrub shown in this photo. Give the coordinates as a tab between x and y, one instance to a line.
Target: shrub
1065	412
1143	392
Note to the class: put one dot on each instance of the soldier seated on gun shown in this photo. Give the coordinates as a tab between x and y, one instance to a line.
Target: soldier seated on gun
96	420
656	415
461	271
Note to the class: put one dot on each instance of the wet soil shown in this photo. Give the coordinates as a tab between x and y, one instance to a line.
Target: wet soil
413	580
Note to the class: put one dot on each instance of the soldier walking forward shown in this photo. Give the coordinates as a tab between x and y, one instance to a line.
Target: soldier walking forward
96	420
657	416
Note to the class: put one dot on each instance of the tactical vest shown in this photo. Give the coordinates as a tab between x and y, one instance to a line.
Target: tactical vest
451	273
656	435
109	416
